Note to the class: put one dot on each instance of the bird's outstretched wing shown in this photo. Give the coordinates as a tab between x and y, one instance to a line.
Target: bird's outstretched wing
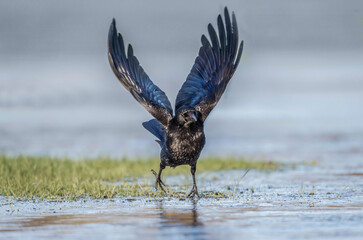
212	69
135	80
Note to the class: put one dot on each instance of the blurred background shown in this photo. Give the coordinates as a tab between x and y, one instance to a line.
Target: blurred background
297	94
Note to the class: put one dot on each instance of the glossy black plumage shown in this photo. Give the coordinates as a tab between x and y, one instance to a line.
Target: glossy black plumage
212	70
135	80
181	137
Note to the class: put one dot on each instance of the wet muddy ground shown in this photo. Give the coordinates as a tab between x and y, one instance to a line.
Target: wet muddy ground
313	201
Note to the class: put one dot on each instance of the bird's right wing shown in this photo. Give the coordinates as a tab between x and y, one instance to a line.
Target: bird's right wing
212	69
135	80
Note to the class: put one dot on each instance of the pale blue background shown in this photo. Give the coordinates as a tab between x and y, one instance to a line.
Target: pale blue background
298	91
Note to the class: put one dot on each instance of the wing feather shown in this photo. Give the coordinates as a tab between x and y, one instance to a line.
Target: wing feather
212	69
133	77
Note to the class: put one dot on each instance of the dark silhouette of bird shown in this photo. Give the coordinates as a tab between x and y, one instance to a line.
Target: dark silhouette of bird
181	135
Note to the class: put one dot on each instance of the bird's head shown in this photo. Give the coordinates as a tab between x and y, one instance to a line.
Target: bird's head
187	117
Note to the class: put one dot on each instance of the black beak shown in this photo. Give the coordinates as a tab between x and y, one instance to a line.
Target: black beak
191	117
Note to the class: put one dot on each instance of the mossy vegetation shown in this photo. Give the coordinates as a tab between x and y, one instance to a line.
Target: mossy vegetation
29	177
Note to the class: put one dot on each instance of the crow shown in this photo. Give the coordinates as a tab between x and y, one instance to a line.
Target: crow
181	135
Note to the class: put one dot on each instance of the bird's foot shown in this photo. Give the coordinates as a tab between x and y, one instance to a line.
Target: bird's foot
193	192
158	183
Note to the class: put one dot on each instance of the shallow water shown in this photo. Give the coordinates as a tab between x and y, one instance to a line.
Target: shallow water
322	201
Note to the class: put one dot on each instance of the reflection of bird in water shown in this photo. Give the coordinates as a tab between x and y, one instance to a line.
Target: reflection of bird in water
179	217
181	136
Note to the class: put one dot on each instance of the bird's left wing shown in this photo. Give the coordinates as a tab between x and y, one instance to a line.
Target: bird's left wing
212	69
135	80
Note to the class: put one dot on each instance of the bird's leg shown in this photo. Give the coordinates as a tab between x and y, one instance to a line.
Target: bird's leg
158	182
194	189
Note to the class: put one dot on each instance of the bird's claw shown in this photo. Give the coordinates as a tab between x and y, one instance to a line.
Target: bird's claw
193	192
158	183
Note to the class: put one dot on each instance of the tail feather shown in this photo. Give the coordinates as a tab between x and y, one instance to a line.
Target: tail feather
156	129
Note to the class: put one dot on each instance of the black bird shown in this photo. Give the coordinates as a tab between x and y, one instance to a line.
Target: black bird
181	136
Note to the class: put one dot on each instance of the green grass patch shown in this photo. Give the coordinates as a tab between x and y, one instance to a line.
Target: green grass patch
28	177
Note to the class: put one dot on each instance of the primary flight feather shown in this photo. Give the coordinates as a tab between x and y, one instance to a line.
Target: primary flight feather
181	136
